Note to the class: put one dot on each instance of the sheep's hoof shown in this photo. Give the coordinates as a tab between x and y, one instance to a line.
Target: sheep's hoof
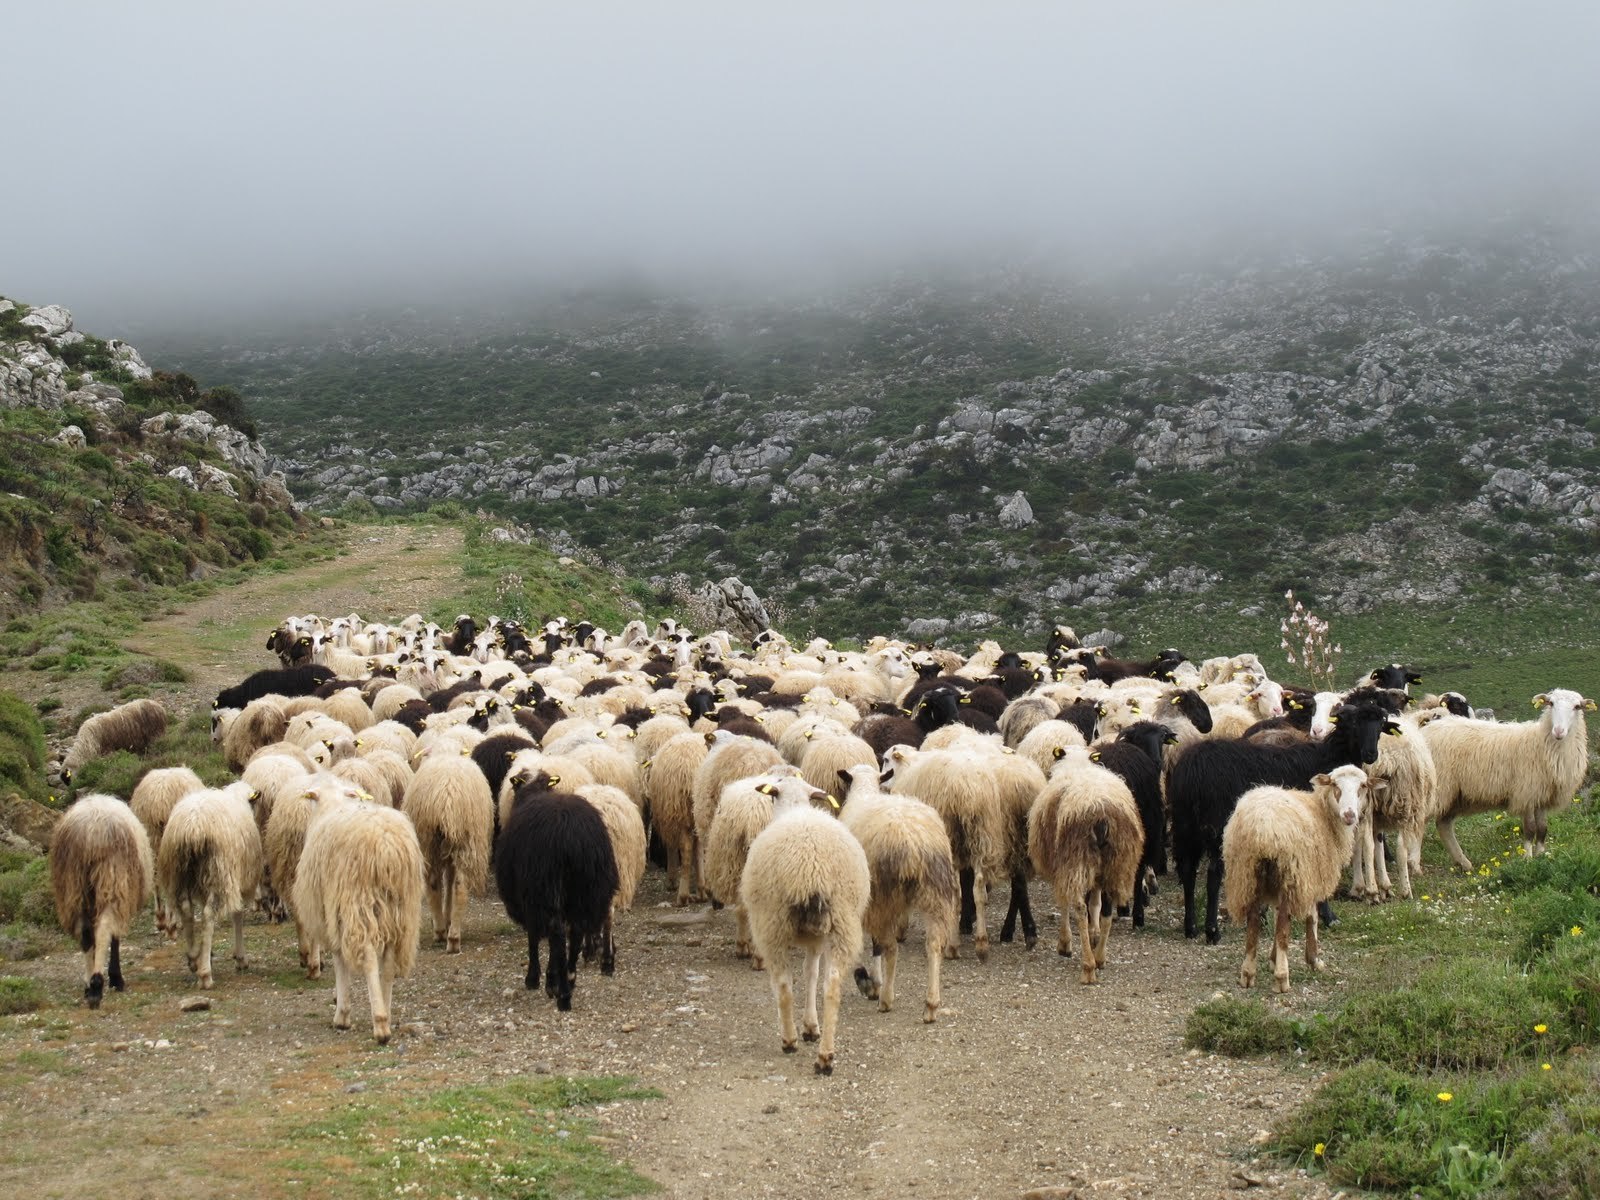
864	984
381	1032
757	963
951	952
1280	983
982	951
1030	940
314	972
885	1006
341	1022
453	946
206	982
824	1064
194	963
740	950
438	936
790	1047
1316	964
1213	937
117	983
716	906
1064	951
1088	976
563	1003
680	902
305	961
531	982
95	989
928	1013
810	1035
1247	979
241	964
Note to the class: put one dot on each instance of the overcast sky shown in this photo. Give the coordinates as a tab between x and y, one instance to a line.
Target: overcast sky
177	159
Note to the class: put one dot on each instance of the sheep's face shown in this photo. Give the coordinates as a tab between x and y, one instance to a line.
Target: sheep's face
1322	721
1348	790
1565	710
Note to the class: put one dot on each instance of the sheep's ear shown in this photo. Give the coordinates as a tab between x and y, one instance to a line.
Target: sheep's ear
845	778
1059	752
1170	740
1322	780
766	789
1393	728
711	739
1588	705
1094	756
1541	700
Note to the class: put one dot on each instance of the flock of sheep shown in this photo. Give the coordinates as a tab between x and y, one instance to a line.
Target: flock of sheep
829	796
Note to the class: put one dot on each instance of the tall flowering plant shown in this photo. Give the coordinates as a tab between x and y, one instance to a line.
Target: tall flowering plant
1306	643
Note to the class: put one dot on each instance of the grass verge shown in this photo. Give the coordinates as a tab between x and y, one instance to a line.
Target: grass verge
1464	1031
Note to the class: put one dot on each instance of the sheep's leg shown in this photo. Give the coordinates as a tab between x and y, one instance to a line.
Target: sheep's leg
1008	927
692	888
1446	826
1064	929
557	966
1280	949
341	991
433	883
1102	932
808	1020
191	951
1380	867
1252	936
1139	897
869	980
1360	853
569	967
456	906
1312	959
1213	897
608	949
1540	821
96	954
969	911
1021	906
1413	848
114	974
891	955
935	953
675	871
830	1016
1080	905
531	979
207	930
1188	869
240	962
980	914
741	932
783	990
1402	864
377	997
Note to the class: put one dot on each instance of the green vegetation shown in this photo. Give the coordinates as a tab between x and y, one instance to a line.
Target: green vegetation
530	584
518	1140
21	749
19	994
1466	1026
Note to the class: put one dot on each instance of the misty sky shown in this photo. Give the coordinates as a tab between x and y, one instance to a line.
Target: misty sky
170	160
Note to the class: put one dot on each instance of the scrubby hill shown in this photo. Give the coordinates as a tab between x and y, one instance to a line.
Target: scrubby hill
117	475
1411	419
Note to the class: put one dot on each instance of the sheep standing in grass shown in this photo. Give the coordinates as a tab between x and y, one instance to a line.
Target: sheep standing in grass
1286	850
1526	767
152	802
1085	837
359	892
452	809
210	867
908	854
806	883
131	726
1402	806
100	874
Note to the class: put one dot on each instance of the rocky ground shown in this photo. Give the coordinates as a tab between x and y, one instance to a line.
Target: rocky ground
1028	1079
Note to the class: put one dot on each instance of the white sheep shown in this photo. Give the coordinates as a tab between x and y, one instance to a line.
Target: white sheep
669	793
131	726
806	883
1286	850
731	757
744	809
100	874
359	891
1526	767
210	868
629	845
908	854
152	801
450	807
1085	837
1402	806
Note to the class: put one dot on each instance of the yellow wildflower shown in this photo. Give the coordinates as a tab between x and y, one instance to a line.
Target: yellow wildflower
1541	1029
1544	1066
1320	1146
1576	931
1445	1097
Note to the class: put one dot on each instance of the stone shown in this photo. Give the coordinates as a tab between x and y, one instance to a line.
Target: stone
1016	512
195	1004
184	476
52	320
735	606
71	436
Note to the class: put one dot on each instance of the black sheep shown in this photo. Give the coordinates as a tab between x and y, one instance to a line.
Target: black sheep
466	632
557	874
1394	676
882	730
303	680
1082	715
1100	666
1135	756
292	649
1208	777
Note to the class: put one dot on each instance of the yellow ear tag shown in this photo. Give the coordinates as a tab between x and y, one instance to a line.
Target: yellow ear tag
1095	756
555	779
833	801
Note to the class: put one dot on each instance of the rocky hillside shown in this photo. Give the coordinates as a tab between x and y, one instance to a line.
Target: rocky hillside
114	473
1411	419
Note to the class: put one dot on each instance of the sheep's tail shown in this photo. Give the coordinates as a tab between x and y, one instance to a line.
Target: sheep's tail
87	919
810	919
1269	878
